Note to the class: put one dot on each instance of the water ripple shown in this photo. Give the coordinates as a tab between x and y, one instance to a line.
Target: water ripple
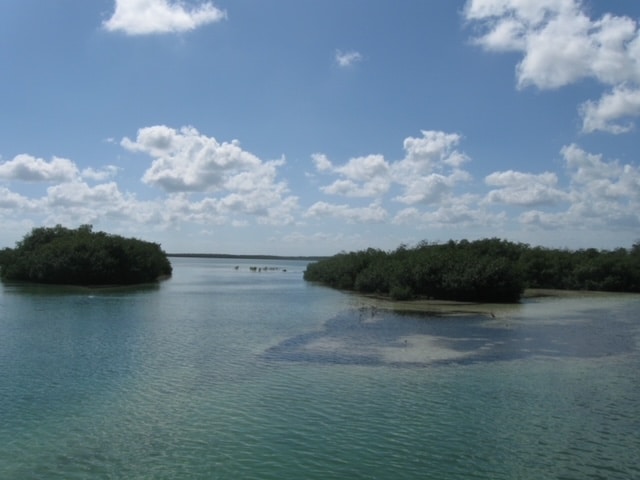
277	380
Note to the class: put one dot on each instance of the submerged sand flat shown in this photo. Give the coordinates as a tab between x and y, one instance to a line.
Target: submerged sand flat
427	332
417	349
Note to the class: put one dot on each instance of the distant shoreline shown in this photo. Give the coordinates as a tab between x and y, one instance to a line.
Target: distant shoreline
247	257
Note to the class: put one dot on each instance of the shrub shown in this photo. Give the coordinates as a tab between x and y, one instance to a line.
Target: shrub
489	270
83	257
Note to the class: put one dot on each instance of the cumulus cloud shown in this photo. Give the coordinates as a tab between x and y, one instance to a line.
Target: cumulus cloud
524	189
432	188
600	193
81	194
543	220
322	163
430	168
562	45
595	179
427	176
586	167
143	17
68	199
363	177
13	201
77	202
27	168
208	183
461	211
99	175
205	183
373	213
347	59
621	102
186	161
427	153
429	171
360	177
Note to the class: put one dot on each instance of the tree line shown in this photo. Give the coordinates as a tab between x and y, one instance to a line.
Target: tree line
488	270
60	255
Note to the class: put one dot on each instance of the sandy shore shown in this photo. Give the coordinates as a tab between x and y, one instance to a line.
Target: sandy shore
447	307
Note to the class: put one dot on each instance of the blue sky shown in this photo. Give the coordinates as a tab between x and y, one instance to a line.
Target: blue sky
309	127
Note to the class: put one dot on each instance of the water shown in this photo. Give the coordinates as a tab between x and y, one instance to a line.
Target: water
226	373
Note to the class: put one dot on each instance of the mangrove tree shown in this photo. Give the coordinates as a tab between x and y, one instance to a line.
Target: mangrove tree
60	255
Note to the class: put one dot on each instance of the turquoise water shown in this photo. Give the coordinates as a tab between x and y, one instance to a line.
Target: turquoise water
226	373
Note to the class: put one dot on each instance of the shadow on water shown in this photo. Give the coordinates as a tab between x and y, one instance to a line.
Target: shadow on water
379	337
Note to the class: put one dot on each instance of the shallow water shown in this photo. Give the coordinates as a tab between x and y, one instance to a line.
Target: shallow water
227	373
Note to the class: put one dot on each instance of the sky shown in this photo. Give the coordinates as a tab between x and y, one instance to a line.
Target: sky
310	127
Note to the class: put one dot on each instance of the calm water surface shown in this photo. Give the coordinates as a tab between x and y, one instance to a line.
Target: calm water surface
227	373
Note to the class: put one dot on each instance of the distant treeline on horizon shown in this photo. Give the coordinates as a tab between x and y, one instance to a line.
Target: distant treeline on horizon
247	257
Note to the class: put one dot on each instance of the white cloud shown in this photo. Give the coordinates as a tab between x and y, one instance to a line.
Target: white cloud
373	213
81	194
598	217
348	188
601	194
430	169
456	213
407	216
74	203
13	201
364	176
597	180
187	161
430	152
432	188
26	168
347	59
322	163
221	184
365	168
460	211
543	220
528	11
524	189
143	17
179	208
427	175
99	175
244	187
587	167
77	202
69	200
562	45
621	102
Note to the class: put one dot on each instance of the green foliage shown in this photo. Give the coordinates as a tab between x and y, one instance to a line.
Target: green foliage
474	271
82	257
489	270
614	271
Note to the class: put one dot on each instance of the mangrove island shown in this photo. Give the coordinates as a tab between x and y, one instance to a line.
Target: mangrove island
488	270
64	256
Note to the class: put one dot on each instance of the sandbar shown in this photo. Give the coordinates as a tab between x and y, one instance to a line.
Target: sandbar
451	307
